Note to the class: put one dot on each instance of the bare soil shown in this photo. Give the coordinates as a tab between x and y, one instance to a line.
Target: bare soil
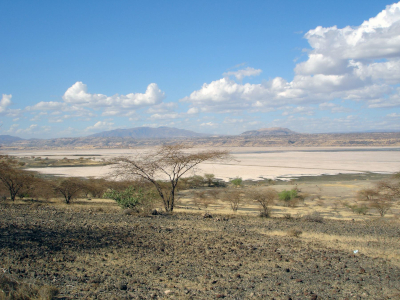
97	253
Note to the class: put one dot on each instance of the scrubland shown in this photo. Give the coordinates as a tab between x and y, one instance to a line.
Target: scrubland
317	245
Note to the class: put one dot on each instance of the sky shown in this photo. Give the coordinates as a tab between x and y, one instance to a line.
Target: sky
74	68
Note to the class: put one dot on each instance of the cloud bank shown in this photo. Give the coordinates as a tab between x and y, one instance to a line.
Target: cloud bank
359	63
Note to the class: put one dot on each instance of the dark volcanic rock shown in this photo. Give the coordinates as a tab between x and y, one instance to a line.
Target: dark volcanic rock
183	256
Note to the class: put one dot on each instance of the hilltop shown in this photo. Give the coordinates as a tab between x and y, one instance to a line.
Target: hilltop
148	132
269	131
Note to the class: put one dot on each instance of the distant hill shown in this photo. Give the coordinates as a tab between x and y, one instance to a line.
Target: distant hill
148	133
269	131
7	139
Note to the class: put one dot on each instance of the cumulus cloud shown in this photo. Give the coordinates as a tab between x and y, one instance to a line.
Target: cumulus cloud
77	94
334	108
359	63
51	105
5	102
100	125
79	103
164	116
78	100
228	120
31	130
375	38
240	74
192	111
209	124
290	110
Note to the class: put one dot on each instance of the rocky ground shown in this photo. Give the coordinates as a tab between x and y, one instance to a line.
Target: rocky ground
97	254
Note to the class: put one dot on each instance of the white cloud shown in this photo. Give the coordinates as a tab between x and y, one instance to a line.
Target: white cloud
226	94
38	116
390	101
374	39
79	102
334	108
210	124
192	111
240	74
359	63
31	130
164	116
13	128
100	125
5	102
77	94
51	105
290	110
394	115
232	121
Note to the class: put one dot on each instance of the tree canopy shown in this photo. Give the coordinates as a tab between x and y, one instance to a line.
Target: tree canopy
168	163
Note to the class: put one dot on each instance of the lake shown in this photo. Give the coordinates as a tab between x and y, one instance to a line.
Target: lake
250	162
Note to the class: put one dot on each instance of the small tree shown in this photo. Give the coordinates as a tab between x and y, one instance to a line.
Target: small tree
168	162
195	181
237	182
235	199
204	198
265	198
13	179
131	197
68	188
209	178
96	187
289	197
383	196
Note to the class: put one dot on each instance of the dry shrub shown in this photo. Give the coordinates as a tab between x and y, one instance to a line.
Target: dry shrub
383	195
360	209
287	216
314	217
203	198
234	197
12	289
294	232
292	197
315	197
265	198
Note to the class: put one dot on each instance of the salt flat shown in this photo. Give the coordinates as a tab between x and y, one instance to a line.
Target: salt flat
250	162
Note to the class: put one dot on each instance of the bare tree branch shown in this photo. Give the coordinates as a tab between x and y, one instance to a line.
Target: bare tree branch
169	162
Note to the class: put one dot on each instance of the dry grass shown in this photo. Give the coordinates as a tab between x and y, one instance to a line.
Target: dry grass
381	243
14	289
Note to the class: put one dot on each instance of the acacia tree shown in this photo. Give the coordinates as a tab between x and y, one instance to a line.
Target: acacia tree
167	162
234	197
383	196
68	187
265	199
209	178
14	180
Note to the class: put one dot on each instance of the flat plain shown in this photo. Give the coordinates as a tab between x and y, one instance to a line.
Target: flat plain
250	163
317	249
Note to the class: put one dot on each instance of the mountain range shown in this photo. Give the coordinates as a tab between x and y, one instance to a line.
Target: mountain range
149	137
269	131
149	133
7	139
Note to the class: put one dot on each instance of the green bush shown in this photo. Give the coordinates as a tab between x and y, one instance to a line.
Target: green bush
358	209
287	196
237	181
128	198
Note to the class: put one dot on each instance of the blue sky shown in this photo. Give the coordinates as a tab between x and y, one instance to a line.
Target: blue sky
73	68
